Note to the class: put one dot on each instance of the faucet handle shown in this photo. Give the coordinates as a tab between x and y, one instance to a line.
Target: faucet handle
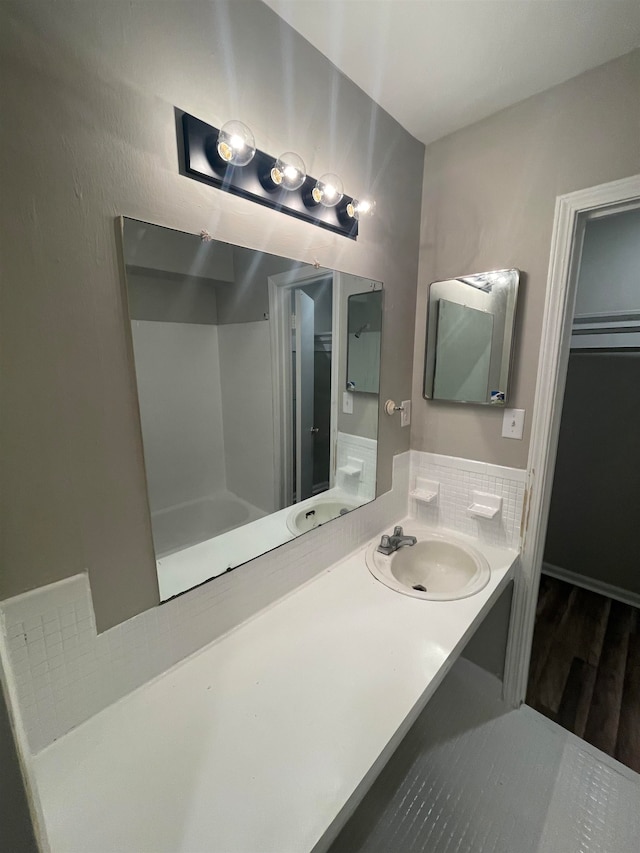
385	542
398	531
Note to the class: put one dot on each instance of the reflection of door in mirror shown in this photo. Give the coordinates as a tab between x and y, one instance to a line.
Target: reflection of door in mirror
312	395
303	326
244	444
304	395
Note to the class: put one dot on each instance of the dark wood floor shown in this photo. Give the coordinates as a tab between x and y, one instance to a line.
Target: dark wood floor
585	667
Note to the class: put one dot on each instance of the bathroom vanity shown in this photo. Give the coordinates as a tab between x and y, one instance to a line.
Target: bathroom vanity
268	738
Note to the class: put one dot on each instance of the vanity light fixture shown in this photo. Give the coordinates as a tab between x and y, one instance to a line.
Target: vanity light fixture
227	158
289	172
236	143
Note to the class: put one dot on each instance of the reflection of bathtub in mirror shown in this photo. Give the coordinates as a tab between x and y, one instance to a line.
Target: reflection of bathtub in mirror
187	524
205	538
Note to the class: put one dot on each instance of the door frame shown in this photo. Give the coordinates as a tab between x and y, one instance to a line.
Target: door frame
571	213
280	287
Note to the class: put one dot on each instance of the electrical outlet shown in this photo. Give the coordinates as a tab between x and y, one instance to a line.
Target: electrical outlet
347	402
512	423
405	413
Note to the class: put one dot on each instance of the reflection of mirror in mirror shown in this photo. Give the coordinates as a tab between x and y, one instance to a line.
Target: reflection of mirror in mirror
470	337
364	321
238	358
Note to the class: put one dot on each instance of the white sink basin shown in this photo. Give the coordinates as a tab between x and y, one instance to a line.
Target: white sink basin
317	512
438	567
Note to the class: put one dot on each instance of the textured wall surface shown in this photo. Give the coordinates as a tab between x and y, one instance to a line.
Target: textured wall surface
91	90
488	203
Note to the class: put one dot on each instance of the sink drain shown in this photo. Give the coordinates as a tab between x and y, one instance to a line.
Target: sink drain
419	588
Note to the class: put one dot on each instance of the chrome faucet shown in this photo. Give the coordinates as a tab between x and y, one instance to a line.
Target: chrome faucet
389	544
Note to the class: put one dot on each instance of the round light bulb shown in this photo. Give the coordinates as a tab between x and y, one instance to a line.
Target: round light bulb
289	171
328	190
236	144
366	207
357	209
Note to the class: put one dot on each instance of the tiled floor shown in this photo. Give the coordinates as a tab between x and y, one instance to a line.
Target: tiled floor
471	777
585	667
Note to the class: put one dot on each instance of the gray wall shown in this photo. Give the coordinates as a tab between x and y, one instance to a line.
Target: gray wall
593	519
488	203
91	90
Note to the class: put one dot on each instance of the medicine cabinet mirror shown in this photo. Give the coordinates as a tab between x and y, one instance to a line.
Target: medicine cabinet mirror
240	363
470	324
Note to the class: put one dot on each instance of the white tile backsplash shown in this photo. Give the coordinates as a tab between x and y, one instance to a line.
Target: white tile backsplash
63	672
458	479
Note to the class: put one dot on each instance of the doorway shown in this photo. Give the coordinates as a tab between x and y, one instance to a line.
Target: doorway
585	667
573	212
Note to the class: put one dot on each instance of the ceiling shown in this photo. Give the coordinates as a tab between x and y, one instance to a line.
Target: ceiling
439	66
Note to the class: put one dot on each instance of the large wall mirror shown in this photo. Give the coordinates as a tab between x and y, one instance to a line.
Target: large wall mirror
470	338
241	362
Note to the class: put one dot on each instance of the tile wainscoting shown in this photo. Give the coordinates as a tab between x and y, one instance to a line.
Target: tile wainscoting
60	671
457	479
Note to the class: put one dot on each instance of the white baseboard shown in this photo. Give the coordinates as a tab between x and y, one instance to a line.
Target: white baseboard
602	588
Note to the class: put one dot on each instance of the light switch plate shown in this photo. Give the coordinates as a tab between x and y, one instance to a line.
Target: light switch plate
347	402
513	423
405	413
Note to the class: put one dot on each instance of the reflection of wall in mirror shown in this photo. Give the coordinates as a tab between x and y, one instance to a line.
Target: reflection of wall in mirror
463	353
364	313
364	419
247	381
364	361
203	365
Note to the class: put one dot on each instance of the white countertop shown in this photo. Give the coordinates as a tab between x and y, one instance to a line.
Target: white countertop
258	742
